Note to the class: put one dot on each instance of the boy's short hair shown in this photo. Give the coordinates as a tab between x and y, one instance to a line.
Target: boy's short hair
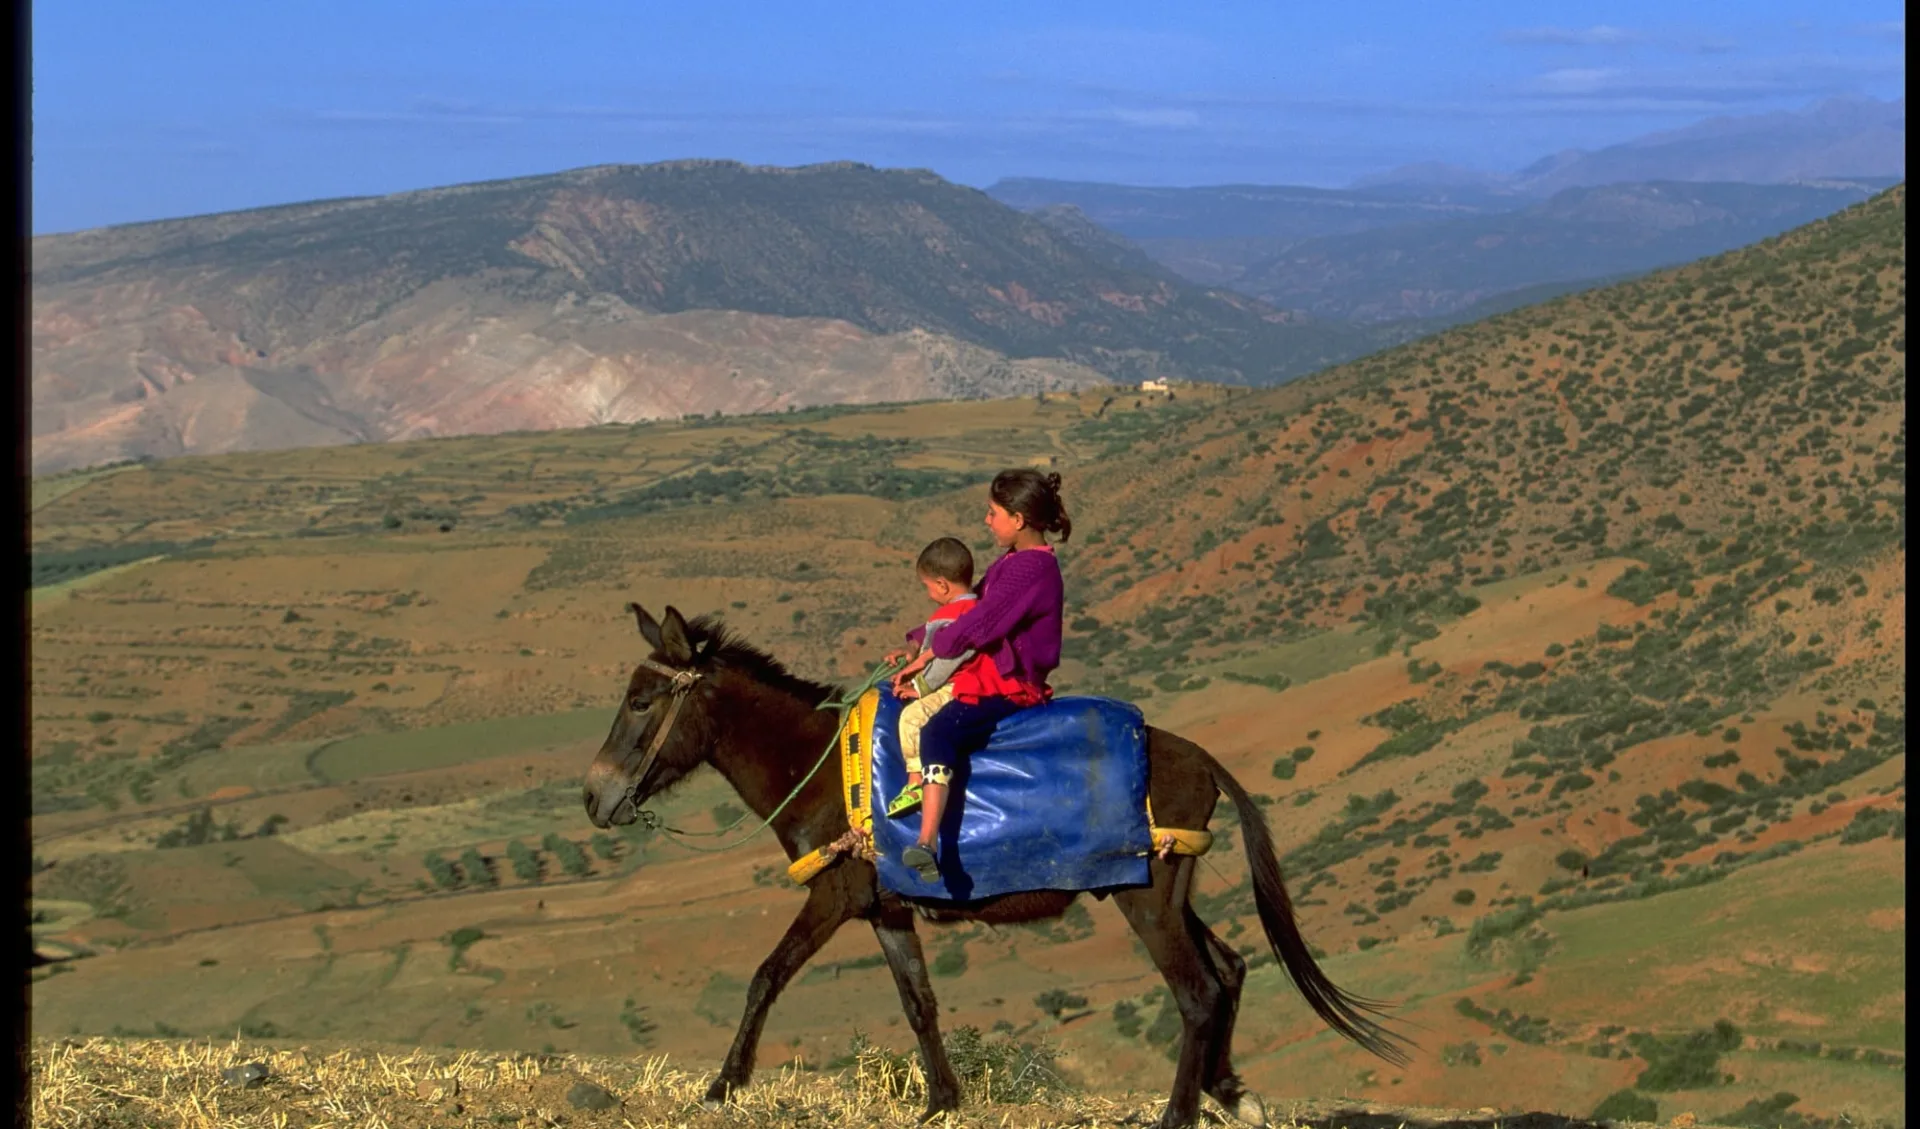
947	559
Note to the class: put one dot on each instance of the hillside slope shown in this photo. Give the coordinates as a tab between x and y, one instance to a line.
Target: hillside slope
1564	651
601	295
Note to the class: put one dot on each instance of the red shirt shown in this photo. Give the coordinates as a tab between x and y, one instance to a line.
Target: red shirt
977	677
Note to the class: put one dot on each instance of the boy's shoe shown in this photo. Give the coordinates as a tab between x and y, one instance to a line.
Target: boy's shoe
906	803
921	861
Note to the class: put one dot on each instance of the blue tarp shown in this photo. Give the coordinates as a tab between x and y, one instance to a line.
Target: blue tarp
1056	801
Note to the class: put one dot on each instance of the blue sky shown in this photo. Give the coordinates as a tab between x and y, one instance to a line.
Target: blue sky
145	111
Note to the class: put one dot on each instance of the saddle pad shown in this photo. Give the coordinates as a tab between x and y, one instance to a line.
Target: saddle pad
1056	801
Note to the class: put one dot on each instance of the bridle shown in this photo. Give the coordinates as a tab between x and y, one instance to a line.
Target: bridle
683	682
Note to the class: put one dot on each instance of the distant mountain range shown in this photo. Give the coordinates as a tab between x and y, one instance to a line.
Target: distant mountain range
1455	253
1840	138
620	293
1438	268
604	295
1432	239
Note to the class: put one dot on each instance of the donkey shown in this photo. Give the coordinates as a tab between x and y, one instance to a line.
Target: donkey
704	696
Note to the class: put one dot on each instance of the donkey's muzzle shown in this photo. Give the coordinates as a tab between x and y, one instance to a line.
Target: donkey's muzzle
609	801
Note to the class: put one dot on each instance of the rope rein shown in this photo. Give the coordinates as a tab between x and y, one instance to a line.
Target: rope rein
683	681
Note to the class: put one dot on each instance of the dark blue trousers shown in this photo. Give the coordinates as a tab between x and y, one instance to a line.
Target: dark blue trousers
961	729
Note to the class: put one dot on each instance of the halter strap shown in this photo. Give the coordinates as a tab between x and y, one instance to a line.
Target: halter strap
683	682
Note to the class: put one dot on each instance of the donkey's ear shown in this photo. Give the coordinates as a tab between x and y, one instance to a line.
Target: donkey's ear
649	630
676	644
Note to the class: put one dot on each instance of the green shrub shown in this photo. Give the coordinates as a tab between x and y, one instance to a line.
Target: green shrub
1482	863
951	961
1872	823
441	871
460	940
199	829
1688	1062
573	860
1053	1001
639	1028
1771	1113
1463	897
1493	926
526	863
1627	1105
1283	768
474	868
1167	1026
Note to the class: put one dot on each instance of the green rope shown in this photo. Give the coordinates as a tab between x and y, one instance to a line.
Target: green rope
844	704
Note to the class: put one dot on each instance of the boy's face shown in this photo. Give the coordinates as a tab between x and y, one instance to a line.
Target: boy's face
940	590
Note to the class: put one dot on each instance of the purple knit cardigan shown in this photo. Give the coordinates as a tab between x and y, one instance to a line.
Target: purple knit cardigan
1018	619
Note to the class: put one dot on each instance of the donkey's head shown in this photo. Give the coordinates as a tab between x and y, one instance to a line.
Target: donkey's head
664	729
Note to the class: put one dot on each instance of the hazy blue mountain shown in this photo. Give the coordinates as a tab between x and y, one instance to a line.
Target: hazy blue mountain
1435	269
1840	138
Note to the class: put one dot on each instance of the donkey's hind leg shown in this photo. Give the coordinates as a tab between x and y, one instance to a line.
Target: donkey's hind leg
1159	915
828	908
1221	1082
893	925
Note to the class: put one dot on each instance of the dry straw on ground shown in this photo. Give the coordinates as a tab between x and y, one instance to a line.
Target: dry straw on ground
109	1083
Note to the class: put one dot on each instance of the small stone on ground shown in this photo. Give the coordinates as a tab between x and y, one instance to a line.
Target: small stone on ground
588	1095
246	1076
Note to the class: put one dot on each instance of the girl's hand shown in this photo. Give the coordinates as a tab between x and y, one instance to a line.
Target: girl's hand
898	654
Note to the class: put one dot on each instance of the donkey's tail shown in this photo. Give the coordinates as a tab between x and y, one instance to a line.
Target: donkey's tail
1355	1017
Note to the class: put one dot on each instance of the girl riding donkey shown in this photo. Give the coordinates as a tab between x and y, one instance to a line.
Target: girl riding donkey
1015	626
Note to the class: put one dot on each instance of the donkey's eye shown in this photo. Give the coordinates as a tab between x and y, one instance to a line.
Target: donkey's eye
638	704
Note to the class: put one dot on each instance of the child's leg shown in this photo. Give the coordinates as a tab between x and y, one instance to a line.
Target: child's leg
945	741
913	718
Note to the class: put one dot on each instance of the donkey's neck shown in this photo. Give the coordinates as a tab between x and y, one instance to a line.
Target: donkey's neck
766	747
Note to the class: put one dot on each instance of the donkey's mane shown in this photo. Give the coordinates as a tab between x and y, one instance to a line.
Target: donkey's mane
714	639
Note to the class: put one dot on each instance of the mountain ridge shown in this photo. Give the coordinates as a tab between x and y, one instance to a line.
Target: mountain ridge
483	292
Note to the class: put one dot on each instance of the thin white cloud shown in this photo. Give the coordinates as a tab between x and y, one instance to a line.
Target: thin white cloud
1156	118
1894	30
1577	80
411	117
1805	76
1600	35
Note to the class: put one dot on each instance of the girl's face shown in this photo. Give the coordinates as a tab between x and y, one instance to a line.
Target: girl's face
1003	525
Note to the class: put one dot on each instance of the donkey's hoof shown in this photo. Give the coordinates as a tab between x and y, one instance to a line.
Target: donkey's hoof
1250	1110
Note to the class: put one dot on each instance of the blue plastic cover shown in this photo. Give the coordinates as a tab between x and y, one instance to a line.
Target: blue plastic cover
1056	801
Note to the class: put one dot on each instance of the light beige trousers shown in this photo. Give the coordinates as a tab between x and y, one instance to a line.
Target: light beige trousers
914	717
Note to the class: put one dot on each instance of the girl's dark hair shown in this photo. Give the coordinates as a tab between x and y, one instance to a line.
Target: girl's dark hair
1033	496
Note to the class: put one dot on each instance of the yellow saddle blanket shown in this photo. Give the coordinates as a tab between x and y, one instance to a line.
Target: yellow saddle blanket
855	754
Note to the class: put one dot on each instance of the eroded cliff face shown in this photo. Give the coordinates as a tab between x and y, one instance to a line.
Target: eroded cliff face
132	383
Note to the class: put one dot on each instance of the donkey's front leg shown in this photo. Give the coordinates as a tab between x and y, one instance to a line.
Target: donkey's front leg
827	909
893	924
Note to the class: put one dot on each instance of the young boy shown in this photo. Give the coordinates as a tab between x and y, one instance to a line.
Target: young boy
945	568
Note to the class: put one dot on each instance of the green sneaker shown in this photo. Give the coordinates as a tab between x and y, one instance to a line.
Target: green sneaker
906	803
